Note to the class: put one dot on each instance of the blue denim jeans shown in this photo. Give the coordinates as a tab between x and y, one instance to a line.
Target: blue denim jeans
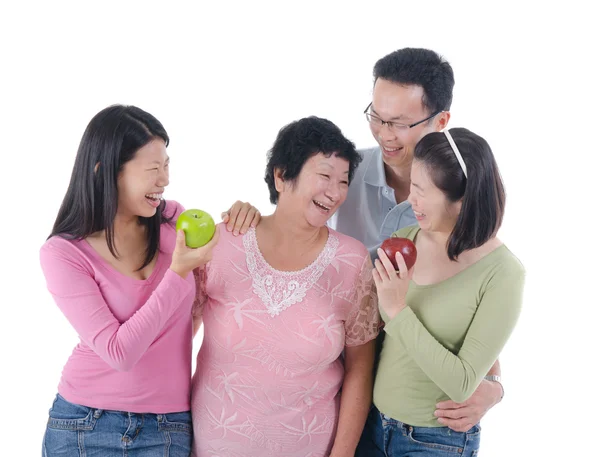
78	431
387	437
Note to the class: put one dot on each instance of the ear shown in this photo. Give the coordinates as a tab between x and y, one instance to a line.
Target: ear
442	120
97	167
279	181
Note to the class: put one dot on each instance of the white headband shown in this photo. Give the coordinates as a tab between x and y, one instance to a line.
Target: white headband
456	152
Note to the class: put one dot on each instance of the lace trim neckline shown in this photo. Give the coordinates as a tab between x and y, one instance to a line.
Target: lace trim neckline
251	244
278	290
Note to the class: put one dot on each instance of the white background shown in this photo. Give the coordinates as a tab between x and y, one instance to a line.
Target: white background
223	77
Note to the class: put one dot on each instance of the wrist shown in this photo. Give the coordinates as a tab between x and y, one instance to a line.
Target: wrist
495	380
396	309
179	271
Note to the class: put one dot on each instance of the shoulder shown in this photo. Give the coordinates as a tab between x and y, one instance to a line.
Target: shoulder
509	262
172	209
59	252
503	268
409	232
227	237
350	247
59	244
367	155
358	187
228	244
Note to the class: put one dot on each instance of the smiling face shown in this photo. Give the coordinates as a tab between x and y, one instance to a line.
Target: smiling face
433	210
319	190
142	180
403	104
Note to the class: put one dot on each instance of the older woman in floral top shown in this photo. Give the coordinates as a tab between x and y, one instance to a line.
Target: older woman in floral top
279	305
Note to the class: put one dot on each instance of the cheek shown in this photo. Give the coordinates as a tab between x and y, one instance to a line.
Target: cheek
441	210
123	188
343	193
315	186
134	187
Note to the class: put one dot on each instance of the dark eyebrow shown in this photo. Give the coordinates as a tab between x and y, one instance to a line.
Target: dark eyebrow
402	116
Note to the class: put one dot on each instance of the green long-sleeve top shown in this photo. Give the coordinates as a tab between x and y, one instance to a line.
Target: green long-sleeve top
445	341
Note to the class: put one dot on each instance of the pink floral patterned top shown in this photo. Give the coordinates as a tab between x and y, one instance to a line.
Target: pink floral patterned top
269	370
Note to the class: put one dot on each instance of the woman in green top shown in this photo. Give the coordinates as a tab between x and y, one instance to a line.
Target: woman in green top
448	318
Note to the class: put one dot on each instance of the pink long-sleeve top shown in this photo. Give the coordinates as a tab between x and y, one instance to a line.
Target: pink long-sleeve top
135	335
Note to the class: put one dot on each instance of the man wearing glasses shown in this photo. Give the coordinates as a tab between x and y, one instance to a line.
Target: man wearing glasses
411	98
412	95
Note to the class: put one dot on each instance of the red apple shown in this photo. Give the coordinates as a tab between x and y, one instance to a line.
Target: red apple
402	245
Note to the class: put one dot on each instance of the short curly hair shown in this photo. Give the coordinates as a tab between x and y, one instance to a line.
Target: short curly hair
299	141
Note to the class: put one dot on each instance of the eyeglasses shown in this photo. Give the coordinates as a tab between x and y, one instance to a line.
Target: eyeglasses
395	126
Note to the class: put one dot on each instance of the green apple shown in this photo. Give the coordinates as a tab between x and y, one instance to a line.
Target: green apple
198	226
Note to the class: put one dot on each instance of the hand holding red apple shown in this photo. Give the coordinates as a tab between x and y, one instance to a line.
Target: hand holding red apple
402	245
392	274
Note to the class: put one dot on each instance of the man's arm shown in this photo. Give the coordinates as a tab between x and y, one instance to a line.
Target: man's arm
461	417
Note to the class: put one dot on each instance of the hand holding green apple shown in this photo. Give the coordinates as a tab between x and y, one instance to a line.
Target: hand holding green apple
193	230
198	225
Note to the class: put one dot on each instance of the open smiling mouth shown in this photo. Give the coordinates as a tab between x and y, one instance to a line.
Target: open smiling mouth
154	199
321	206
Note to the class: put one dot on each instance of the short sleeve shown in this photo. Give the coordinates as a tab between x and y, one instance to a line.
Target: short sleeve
201	296
362	324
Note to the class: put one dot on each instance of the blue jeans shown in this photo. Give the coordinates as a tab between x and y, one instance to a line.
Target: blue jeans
387	437
78	431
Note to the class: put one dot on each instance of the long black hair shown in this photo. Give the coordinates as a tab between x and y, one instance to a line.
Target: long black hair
111	139
482	193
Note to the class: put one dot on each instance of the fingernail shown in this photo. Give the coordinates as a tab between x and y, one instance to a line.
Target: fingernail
236	233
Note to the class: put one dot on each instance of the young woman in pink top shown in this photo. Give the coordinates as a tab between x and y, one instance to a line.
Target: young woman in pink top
121	275
279	306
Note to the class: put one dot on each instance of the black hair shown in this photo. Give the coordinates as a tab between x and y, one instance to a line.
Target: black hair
482	192
111	139
299	141
421	67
